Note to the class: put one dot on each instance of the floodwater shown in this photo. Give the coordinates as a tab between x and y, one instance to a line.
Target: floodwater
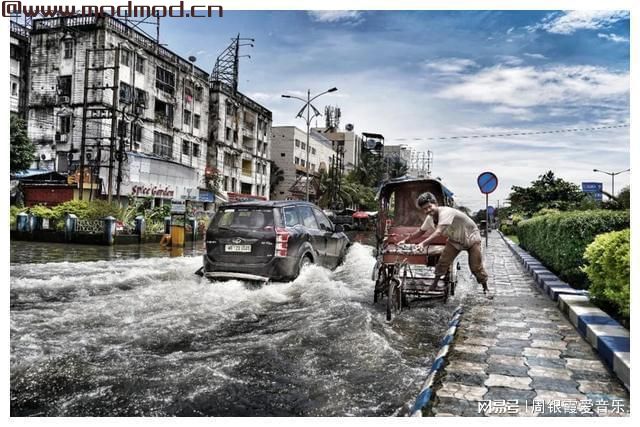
141	335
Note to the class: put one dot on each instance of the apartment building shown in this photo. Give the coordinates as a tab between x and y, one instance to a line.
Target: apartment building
19	69
290	154
347	141
239	143
122	114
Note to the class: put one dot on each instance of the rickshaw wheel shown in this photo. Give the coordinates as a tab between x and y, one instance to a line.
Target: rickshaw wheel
394	298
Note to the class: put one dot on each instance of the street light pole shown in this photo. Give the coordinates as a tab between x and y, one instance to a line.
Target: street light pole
612	174
308	106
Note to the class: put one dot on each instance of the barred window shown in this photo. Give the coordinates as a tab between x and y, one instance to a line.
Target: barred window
162	145
165	80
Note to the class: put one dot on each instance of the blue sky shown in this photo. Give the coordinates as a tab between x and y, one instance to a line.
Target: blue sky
414	75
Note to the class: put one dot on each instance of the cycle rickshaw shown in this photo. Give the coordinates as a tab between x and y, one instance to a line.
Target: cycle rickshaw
403	273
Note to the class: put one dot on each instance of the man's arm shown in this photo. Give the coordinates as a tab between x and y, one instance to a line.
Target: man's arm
440	229
418	232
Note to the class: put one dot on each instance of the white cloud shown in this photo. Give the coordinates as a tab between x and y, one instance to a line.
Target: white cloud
535	55
614	38
450	65
510	60
515	113
336	15
531	86
575	20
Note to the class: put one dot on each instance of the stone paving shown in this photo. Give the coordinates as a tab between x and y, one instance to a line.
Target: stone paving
518	355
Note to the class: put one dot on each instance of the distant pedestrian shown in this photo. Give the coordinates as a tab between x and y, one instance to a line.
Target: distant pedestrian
462	233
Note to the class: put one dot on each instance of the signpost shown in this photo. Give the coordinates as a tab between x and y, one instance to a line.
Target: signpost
488	182
594	189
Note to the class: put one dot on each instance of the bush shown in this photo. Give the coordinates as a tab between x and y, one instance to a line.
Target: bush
608	269
559	240
510	229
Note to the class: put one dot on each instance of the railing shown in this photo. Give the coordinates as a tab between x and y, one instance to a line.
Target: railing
90	226
19	29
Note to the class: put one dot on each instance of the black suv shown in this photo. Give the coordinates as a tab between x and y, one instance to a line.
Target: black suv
272	240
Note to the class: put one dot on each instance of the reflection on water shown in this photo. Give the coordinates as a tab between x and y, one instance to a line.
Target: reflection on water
39	252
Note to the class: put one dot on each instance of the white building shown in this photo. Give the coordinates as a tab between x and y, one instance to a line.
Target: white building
19	69
149	140
289	153
348	141
239	143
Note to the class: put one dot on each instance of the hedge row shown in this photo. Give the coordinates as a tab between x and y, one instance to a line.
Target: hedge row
559	240
608	268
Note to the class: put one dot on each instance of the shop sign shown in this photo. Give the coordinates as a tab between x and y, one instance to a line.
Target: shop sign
151	190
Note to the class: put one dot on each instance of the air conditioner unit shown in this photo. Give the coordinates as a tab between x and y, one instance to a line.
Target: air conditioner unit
64	99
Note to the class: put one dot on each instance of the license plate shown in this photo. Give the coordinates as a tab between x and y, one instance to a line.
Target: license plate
237	248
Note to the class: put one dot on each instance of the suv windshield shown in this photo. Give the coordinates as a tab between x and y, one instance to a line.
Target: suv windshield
253	218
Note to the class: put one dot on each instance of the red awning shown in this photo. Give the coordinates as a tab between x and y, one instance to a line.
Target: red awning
360	215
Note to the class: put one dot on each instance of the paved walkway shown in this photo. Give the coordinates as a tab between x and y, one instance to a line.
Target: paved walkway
518	355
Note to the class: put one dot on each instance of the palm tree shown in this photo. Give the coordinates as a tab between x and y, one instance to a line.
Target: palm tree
396	167
275	178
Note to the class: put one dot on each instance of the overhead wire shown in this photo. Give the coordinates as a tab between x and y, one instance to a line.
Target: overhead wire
502	135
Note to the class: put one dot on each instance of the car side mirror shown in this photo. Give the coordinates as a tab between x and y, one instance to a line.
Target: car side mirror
338	228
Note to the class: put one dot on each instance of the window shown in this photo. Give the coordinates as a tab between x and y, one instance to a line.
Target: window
65	124
68	49
142	98
297	161
313	151
298	143
233	184
306	215
196	121
140	63
162	145
291	217
227	134
186	147
235	135
64	85
137	132
165	80
198	92
196	150
188	94
14	89
226	183
187	117
126	93
301	162
122	129
124	57
323	221
164	113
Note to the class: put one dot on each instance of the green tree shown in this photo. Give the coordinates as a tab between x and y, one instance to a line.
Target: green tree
396	167
547	192
22	150
369	171
276	176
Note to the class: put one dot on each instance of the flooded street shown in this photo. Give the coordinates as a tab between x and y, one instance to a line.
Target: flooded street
142	335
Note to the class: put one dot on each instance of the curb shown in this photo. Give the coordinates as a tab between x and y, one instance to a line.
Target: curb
601	331
424	397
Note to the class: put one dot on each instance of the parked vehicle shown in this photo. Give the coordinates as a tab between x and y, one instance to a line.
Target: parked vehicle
270	240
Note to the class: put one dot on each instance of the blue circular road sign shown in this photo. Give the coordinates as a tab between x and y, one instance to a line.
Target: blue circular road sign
488	182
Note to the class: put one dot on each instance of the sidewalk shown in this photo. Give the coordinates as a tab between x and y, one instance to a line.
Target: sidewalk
518	355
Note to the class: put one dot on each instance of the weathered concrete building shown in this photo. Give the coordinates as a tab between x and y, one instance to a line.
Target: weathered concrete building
108	100
239	143
290	153
347	141
19	69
